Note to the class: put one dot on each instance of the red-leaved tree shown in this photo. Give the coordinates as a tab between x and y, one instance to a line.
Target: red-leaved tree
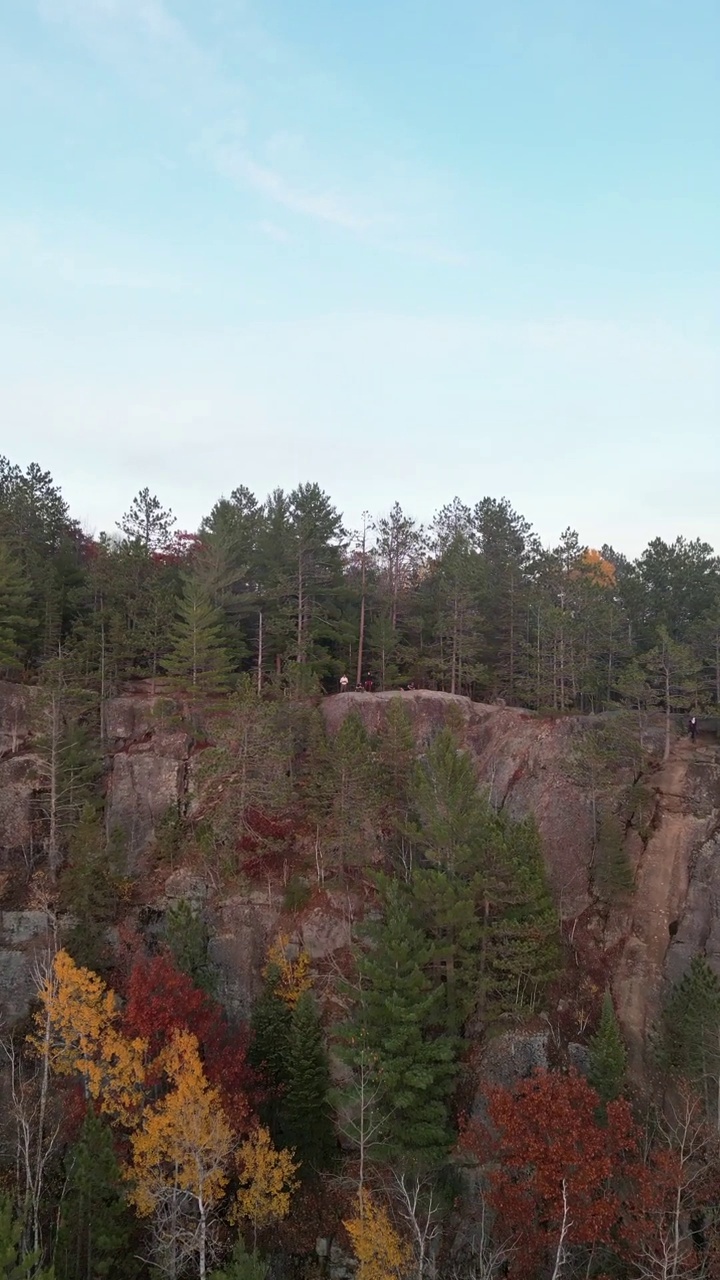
557	1173
160	1000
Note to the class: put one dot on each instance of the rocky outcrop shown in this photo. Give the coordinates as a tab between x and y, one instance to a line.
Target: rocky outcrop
522	759
675	912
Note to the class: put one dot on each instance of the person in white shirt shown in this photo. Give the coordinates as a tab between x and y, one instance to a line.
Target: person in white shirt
344	684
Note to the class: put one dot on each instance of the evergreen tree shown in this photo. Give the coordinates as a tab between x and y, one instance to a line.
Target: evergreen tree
688	1045
147	523
305	1111
95	1226
399	1014
355	798
187	936
269	1051
15	1262
198	654
14	609
242	1264
445	910
89	891
446	800
608	1056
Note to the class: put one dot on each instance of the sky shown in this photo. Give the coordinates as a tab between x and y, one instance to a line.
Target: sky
408	249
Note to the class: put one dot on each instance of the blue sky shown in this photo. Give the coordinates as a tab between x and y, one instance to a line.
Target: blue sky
408	249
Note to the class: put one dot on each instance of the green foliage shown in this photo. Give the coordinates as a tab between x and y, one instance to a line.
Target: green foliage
89	887
198	656
306	1123
398	1016
186	934
95	1226
445	797
16	1263
608	1056
269	1052
688	1043
14	610
242	1264
297	894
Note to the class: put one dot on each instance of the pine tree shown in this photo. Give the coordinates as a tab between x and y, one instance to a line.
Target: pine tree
88	891
14	610
608	1056
95	1223
305	1112
446	800
444	909
269	1051
198	654
399	1014
688	1044
188	939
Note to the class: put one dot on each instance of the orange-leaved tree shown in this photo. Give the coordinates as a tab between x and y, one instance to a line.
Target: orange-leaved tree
291	974
180	1156
266	1180
381	1252
558	1172
76	1028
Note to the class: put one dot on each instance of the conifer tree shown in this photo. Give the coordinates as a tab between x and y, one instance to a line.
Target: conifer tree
188	939
608	1056
305	1109
689	1041
88	890
198	654
14	609
399	1014
95	1225
269	1051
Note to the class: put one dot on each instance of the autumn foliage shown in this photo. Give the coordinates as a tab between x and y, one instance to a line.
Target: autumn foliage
381	1252
546	1139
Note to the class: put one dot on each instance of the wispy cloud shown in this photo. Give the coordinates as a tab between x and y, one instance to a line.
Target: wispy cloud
322	206
144	40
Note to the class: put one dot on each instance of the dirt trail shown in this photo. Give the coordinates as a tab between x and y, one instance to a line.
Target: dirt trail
661	890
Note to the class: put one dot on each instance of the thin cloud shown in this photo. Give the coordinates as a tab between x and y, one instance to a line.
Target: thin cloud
322	207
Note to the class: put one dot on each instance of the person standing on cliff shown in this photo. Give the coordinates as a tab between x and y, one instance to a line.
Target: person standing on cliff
344	682
693	728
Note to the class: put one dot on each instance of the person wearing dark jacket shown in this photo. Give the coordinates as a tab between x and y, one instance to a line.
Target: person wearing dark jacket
693	727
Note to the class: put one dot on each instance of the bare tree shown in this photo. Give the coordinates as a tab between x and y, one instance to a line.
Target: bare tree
35	1134
420	1210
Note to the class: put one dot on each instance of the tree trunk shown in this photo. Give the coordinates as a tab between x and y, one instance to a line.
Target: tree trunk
260	652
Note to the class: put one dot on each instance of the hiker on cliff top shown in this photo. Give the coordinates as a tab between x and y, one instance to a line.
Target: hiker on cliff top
344	682
368	685
693	727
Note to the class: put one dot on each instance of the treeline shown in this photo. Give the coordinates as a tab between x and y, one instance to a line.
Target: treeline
472	604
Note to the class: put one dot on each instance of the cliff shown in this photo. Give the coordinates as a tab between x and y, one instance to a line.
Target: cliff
154	766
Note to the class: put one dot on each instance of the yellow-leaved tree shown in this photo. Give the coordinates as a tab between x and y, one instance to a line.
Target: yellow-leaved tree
293	975
180	1155
75	1029
381	1252
267	1181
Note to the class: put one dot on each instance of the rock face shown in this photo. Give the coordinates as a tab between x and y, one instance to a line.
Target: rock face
675	912
521	758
